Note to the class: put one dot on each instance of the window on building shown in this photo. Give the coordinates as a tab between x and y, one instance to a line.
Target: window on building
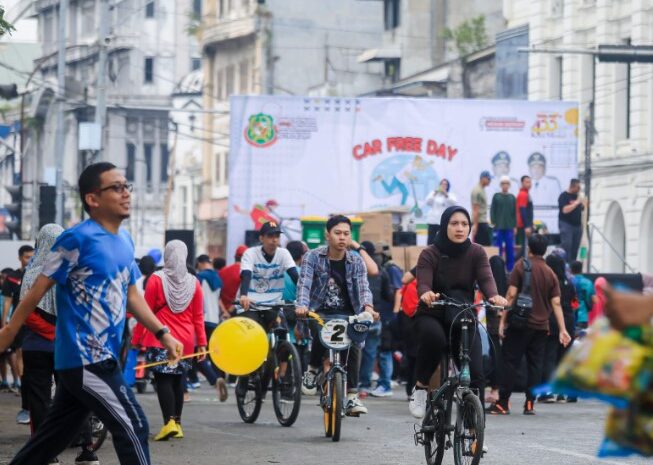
392	69
165	159
221	8
391	14
221	168
230	79
184	203
557	8
219	85
197	9
195	63
149	9
148	150
149	70
131	163
243	74
88	18
48	28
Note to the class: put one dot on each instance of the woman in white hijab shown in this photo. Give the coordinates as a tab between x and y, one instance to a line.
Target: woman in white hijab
175	296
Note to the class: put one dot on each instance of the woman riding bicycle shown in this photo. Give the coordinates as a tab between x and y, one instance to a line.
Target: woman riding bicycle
452	266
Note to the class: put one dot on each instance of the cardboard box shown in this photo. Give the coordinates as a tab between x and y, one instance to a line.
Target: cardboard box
377	227
406	257
491	251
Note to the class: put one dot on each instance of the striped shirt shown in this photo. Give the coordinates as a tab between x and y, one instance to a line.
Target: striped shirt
268	282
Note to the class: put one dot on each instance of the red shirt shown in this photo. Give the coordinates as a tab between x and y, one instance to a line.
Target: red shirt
230	276
409	299
523	200
187	326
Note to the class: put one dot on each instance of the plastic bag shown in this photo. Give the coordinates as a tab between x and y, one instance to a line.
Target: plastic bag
607	365
629	431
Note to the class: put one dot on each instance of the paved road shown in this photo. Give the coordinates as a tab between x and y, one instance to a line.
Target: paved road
559	434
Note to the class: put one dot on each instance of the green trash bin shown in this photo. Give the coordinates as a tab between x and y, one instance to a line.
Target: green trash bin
356	224
313	230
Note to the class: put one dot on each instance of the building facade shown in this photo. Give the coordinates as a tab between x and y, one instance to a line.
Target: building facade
150	48
276	47
621	198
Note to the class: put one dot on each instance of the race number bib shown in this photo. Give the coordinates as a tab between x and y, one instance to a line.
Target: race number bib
334	335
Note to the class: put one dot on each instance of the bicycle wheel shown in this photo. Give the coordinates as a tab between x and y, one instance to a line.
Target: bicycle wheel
249	397
337	388
327	410
98	433
434	437
286	389
469	433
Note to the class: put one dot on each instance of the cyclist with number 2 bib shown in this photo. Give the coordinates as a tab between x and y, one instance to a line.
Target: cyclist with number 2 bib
451	266
333	281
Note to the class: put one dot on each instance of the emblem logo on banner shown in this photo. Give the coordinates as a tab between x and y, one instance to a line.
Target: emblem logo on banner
261	131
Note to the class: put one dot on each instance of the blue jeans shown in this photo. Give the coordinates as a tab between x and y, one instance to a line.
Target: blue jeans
505	240
370	352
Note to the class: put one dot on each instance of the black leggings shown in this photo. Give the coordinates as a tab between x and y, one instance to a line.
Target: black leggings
432	345
170	390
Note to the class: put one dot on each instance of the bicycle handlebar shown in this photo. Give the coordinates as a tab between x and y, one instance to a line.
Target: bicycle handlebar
462	305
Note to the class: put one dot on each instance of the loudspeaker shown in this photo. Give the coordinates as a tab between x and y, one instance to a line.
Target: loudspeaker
187	236
251	238
47	205
404	238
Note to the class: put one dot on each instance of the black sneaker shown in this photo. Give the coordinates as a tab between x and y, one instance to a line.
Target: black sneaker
547	399
528	408
309	383
561	399
87	457
572	400
499	408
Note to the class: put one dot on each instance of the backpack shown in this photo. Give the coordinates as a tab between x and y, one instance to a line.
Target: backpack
521	310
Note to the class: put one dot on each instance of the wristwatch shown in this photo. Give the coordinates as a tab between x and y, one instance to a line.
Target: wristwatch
160	333
360	248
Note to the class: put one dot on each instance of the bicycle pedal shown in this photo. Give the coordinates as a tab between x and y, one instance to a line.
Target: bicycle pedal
419	438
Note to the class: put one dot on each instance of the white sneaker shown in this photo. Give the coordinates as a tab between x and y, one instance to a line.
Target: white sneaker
380	391
355	407
417	405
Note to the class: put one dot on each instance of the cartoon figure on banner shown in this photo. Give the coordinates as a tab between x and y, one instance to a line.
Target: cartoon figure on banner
404	175
261	213
546	189
501	167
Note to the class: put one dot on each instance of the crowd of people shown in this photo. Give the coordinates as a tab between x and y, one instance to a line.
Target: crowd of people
65	309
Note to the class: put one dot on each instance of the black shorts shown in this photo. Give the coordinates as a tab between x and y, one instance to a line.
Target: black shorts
18	341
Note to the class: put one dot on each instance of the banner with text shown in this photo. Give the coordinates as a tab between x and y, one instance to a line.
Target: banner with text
296	156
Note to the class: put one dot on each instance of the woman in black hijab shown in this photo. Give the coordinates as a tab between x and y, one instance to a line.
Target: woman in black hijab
453	266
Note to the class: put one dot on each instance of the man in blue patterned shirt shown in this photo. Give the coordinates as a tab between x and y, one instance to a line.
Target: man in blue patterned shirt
93	267
333	281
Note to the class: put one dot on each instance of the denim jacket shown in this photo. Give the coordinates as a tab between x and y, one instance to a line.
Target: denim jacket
315	274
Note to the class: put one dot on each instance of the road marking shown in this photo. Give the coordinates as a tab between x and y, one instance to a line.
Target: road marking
579	455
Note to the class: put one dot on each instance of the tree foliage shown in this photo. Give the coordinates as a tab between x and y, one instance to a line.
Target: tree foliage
5	26
469	36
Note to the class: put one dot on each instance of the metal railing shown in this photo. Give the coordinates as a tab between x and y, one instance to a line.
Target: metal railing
593	228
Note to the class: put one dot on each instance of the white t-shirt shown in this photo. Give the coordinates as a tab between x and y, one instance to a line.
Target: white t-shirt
268	282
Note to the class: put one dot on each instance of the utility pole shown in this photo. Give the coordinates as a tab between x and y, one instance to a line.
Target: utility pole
60	137
103	42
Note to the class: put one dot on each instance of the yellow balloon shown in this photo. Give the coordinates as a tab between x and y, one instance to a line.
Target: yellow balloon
239	346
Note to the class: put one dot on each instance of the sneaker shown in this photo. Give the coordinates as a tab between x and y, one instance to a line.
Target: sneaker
528	408
417	405
355	407
180	432
381	391
561	399
499	408
195	385
221	387
4	386
572	400
87	457
22	418
168	431
309	386
548	398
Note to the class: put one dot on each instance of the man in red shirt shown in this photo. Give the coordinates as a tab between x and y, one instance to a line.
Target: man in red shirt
524	212
230	276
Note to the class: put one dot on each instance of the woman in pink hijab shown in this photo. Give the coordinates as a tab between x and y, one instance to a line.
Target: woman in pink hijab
600	286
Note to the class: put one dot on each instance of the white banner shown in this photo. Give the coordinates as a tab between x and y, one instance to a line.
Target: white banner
295	156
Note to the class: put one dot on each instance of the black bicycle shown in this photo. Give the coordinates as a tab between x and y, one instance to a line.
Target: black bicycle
282	368
469	428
